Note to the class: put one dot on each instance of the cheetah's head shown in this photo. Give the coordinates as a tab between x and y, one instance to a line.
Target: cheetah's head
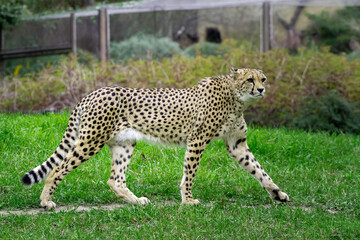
249	83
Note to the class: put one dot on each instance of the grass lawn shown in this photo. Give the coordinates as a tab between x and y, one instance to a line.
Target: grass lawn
320	173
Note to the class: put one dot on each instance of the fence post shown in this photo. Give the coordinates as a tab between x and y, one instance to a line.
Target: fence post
2	62
266	27
73	32
104	34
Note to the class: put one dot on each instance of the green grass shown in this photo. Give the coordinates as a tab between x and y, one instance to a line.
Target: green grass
318	171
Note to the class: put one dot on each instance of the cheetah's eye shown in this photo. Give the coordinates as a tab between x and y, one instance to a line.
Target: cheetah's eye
250	80
263	79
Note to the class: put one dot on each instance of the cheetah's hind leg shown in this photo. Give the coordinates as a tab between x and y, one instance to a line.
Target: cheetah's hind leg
121	153
74	158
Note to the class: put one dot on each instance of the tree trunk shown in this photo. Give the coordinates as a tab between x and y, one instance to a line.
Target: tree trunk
293	39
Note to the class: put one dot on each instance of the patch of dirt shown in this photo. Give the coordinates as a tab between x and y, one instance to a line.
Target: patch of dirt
67	208
114	206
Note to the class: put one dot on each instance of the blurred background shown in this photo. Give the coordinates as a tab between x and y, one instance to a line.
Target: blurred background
55	52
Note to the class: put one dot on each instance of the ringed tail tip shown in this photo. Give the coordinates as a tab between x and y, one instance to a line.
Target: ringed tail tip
26	179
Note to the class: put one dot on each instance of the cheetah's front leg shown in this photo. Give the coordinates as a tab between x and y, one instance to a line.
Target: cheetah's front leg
239	150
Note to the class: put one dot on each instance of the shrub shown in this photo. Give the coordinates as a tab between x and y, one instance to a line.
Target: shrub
354	55
31	64
10	13
204	49
143	46
36	64
329	112
336	30
55	87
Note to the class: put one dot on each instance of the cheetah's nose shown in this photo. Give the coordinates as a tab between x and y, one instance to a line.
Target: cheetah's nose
260	90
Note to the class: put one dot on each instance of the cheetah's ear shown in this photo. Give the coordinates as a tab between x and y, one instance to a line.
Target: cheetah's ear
260	70
233	70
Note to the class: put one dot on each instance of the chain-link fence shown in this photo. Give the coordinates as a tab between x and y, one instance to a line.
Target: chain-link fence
279	23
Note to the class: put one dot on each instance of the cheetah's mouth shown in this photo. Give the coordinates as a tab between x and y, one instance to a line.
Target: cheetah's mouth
259	95
250	97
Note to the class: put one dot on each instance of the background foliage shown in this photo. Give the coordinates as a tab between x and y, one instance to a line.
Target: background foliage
10	13
328	112
204	49
338	30
292	80
142	47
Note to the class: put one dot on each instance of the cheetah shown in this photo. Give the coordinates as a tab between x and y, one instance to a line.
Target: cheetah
119	116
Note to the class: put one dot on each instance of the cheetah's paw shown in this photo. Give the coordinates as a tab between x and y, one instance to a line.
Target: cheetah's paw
142	201
48	205
191	201
282	197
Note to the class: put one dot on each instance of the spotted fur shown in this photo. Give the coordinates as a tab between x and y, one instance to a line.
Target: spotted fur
193	117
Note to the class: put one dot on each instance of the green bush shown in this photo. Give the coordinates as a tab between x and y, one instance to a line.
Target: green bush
354	54
55	87
329	112
143	46
335	30
31	64
10	13
36	64
204	49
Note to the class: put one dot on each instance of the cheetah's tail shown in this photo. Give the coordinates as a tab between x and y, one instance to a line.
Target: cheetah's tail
43	170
